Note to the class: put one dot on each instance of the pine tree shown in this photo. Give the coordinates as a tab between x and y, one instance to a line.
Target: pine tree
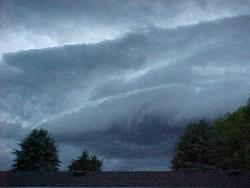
85	162
38	153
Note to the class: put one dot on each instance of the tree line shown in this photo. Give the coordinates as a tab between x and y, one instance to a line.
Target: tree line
221	144
38	152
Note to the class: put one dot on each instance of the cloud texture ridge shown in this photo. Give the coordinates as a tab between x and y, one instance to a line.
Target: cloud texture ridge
124	97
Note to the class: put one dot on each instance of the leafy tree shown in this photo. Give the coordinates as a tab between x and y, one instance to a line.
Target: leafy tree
38	153
234	128
86	162
200	147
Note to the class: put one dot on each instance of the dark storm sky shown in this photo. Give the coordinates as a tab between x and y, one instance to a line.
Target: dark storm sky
91	71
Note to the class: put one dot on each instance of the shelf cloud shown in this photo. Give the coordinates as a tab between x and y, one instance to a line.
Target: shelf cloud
119	78
26	24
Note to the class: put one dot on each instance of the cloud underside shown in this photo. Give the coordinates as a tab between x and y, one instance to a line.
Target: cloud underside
26	24
126	99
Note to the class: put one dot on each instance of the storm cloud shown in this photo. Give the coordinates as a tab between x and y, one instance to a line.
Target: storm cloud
120	78
26	24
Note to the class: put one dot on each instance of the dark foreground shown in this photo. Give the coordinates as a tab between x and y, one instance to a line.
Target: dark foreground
127	179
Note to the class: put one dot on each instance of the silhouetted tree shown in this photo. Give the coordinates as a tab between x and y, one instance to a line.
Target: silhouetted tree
85	162
199	147
38	153
234	128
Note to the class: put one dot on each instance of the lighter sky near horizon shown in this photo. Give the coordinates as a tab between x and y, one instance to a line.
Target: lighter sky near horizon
96	74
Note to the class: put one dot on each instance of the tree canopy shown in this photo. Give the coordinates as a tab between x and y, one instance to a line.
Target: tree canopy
86	162
234	128
200	147
38	152
224	144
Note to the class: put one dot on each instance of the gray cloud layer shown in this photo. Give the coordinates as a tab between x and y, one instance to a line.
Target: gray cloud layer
26	24
127	98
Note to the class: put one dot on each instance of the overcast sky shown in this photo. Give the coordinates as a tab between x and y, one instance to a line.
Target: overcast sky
119	78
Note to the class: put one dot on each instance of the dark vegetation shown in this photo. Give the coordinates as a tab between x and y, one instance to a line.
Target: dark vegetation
223	144
86	162
234	128
199	147
38	153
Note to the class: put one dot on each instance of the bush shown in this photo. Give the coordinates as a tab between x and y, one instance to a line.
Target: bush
85	162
